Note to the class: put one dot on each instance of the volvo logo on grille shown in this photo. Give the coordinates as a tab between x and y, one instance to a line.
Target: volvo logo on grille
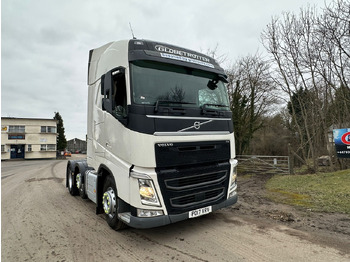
165	144
197	125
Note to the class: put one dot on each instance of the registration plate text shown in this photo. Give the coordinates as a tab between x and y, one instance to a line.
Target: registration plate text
200	212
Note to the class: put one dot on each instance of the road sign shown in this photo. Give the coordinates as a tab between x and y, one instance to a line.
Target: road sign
342	142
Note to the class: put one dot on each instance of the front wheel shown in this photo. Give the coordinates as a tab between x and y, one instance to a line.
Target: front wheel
110	204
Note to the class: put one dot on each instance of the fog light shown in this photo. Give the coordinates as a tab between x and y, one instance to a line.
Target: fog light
149	213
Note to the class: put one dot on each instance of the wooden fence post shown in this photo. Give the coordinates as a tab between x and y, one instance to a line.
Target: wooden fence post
290	160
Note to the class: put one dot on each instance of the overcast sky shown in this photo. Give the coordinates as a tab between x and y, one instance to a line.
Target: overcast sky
45	43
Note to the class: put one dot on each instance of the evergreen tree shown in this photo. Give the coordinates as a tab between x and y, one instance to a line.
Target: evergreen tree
61	138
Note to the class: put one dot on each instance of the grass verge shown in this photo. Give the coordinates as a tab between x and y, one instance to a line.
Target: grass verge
328	192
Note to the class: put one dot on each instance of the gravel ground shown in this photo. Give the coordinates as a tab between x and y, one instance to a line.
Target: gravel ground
41	221
329	229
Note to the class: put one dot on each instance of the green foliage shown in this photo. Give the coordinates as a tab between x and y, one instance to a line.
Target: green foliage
329	192
240	107
251	92
339	110
245	120
61	138
272	139
299	104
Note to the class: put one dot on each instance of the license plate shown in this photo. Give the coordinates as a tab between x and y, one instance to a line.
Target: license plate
199	212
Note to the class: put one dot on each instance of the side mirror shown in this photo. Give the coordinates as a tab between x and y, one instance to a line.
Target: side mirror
107	87
212	84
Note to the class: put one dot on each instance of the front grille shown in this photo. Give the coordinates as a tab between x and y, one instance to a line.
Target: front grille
194	181
197	198
185	189
191	153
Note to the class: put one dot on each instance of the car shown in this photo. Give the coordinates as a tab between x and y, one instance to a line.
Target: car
67	153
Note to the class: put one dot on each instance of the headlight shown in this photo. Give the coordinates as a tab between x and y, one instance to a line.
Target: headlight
148	193
233	184
233	176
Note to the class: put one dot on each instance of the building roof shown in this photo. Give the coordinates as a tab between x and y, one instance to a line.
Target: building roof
76	139
28	118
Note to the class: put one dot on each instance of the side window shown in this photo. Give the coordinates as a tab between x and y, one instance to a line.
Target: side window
113	89
120	96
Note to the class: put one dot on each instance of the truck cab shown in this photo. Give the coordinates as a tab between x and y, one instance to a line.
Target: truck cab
160	141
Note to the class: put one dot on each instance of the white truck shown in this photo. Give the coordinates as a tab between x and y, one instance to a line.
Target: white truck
160	141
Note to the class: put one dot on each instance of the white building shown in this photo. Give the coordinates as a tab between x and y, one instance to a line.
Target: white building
28	138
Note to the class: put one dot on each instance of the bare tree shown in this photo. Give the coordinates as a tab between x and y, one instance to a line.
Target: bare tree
214	53
310	54
334	31
251	92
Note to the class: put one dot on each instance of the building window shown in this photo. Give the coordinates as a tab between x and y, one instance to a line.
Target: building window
2	148
51	147
16	129
48	129
51	129
29	148
47	147
16	137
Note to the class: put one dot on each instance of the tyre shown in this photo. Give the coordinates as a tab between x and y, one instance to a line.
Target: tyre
81	186
110	204
71	179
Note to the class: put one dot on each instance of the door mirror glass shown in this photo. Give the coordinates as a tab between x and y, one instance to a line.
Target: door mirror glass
108	92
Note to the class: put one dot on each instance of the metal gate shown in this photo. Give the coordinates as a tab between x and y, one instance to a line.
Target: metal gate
264	164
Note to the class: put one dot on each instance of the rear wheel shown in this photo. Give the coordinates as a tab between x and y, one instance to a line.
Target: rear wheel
110	204
80	186
71	177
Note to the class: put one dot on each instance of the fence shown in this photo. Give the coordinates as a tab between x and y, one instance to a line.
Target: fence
264	164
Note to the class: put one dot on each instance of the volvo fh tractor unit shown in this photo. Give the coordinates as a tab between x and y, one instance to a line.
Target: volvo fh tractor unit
160	140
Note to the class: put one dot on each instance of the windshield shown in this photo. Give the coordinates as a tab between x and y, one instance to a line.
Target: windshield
154	82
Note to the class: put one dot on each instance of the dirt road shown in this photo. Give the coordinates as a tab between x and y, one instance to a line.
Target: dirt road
41	221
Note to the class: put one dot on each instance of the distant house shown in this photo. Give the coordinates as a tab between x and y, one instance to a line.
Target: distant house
75	145
28	138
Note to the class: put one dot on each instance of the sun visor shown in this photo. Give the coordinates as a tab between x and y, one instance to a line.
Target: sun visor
165	53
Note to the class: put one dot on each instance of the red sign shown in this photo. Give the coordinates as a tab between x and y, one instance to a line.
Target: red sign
346	138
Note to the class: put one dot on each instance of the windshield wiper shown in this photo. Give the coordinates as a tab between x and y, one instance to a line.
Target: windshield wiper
217	105
168	102
212	111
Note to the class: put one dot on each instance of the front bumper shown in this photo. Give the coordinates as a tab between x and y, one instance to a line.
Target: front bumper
149	222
